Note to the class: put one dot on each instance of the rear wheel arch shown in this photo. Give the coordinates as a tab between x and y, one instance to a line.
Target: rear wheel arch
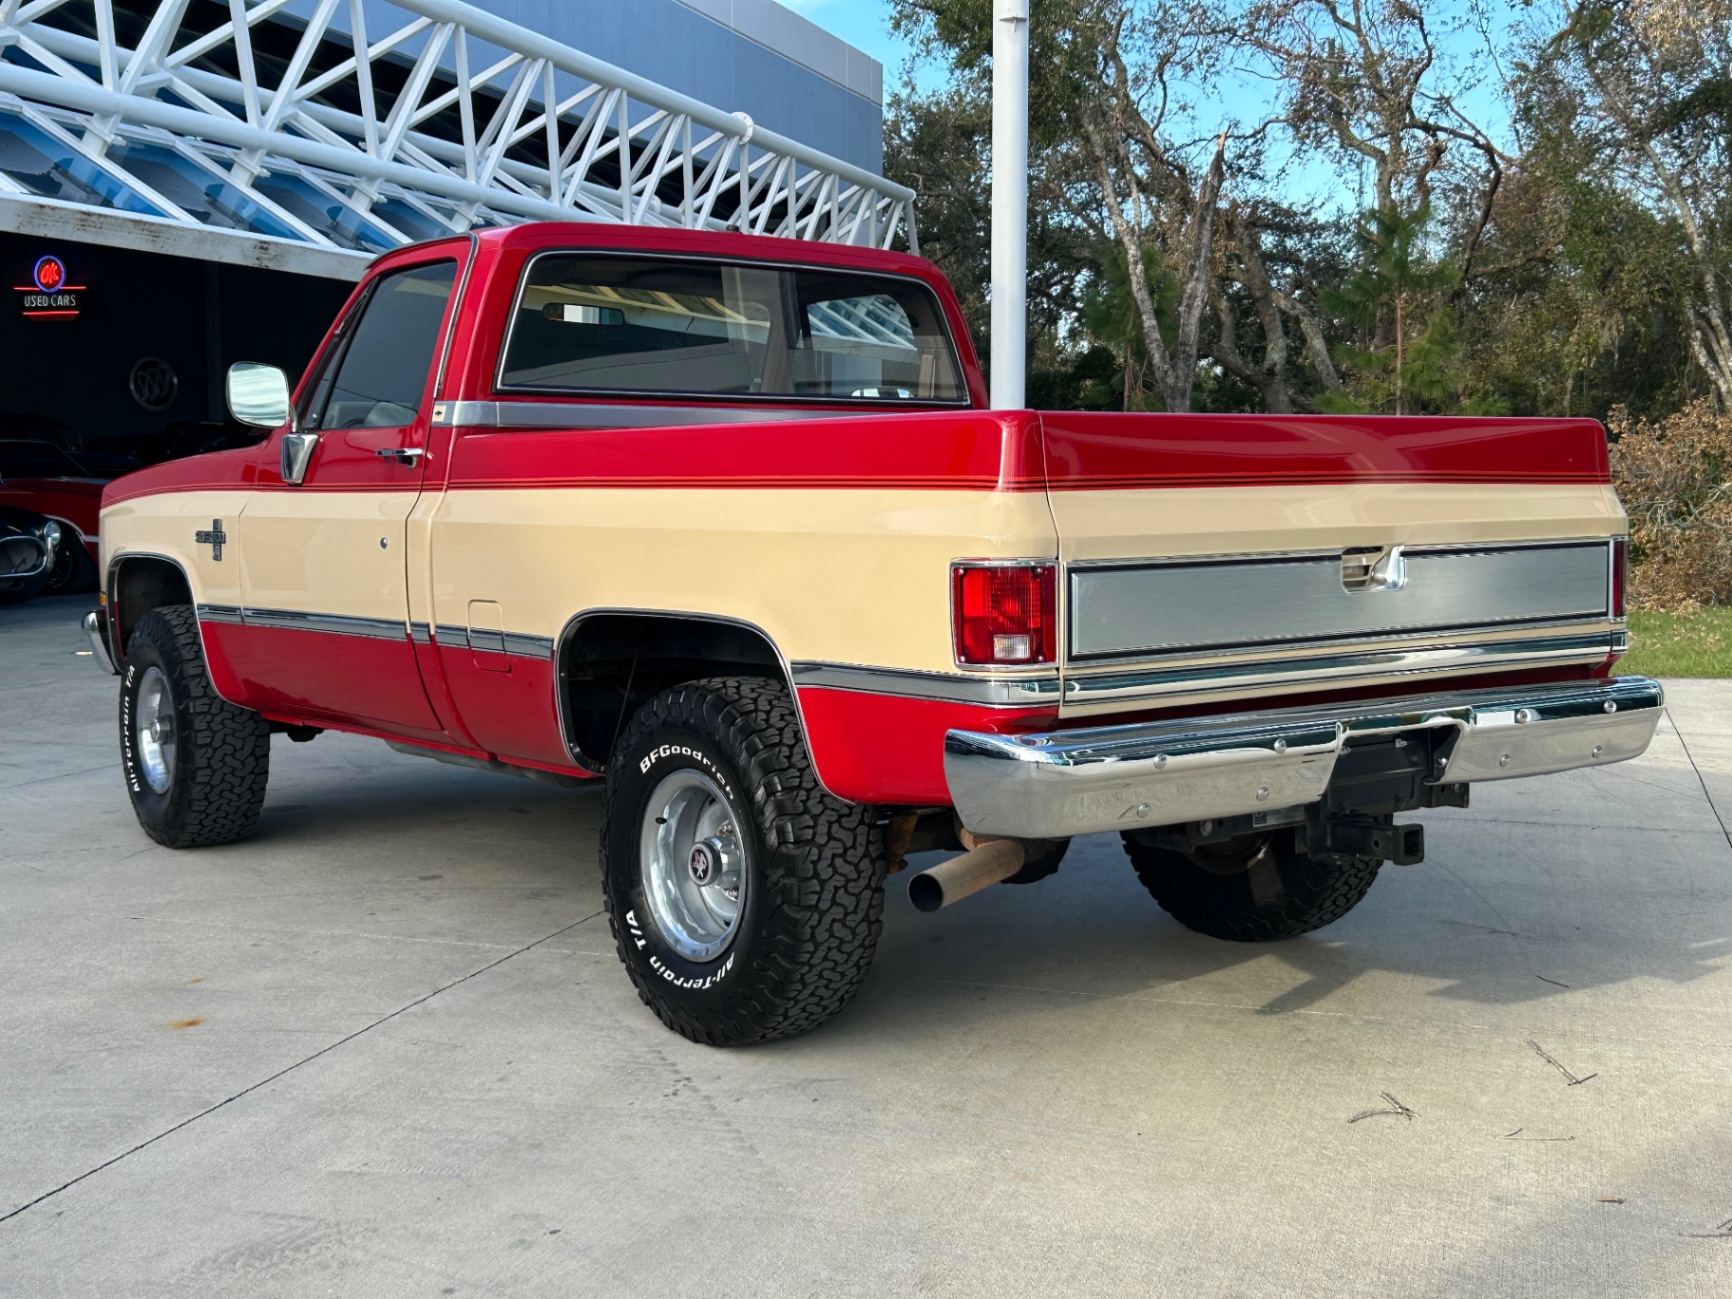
609	661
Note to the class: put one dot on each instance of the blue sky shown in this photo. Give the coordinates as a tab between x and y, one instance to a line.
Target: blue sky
865	24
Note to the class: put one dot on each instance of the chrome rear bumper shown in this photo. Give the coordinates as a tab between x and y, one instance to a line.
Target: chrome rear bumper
1084	781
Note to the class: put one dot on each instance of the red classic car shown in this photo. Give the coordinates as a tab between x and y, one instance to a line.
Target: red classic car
40	478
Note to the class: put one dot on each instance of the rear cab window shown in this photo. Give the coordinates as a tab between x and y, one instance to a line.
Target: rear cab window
652	326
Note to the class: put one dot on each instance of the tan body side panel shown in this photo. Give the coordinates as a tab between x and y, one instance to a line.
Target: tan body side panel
840	576
1263	520
321	552
165	525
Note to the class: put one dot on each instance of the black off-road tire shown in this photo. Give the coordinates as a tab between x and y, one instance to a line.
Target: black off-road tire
812	910
222	752
1257	891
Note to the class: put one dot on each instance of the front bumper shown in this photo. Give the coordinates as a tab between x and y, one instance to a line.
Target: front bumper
1084	781
15	576
94	627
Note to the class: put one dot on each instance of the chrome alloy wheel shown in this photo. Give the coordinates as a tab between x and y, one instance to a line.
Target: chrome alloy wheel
693	864
155	723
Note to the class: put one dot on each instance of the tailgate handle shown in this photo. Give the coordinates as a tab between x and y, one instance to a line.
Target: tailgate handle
1374	568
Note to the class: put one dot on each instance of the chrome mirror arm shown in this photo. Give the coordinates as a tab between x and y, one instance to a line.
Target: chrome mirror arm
297	453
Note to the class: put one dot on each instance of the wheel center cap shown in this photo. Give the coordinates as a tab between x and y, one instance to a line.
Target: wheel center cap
702	864
156	729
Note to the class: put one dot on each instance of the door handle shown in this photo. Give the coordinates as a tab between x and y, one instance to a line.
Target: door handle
402	455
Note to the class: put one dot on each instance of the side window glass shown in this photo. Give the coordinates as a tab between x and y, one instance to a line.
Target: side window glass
864	347
378	380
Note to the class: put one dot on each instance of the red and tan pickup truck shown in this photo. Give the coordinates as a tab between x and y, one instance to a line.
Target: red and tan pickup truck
723	525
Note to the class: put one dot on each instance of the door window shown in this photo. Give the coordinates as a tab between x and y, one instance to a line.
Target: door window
381	370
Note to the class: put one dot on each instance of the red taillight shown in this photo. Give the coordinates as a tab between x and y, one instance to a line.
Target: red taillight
1620	571
1005	613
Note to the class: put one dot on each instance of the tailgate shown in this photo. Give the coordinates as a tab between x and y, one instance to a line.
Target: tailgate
1227	557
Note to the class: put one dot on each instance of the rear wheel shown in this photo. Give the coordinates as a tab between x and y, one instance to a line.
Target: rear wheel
195	764
1254	889
745	902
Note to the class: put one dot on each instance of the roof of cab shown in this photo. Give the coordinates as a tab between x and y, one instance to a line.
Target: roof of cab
596	234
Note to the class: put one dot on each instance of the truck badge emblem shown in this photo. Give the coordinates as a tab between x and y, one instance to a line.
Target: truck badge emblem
1374	568
702	864
214	538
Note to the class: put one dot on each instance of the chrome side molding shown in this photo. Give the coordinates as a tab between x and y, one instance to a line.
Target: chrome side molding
589	414
1040	687
1084	781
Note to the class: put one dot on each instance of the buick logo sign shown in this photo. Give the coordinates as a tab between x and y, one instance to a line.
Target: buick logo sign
153	383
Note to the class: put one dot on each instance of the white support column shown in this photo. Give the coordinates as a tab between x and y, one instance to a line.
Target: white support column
1009	203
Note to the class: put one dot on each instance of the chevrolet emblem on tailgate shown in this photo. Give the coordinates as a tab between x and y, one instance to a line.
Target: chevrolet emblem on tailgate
1373	568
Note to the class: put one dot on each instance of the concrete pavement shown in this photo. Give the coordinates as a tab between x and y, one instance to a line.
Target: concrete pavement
385	1048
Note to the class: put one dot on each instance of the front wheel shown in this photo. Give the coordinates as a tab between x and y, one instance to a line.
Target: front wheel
745	901
195	764
1254	889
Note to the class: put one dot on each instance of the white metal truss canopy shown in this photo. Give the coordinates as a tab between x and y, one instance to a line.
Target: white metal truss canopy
344	128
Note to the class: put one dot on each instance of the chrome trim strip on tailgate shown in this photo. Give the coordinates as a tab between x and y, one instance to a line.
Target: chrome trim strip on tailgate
1237	678
1166	608
1164	773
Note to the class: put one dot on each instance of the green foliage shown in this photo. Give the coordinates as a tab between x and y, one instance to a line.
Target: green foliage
1562	281
1090	380
1407	350
1697	644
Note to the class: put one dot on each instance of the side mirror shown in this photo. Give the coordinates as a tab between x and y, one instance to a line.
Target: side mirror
258	394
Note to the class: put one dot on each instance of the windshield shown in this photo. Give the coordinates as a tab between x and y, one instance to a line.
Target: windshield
588	323
37	460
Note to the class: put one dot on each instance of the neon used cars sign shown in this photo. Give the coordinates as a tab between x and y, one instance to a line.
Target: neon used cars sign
49	296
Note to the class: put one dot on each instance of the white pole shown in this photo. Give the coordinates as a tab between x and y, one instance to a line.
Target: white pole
1009	203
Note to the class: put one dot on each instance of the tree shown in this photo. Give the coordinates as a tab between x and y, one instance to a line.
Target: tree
1106	168
1650	86
1255	236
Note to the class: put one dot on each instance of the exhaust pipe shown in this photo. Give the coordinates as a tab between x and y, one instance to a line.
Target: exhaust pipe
986	864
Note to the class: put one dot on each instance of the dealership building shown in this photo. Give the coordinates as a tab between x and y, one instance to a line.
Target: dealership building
189	183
